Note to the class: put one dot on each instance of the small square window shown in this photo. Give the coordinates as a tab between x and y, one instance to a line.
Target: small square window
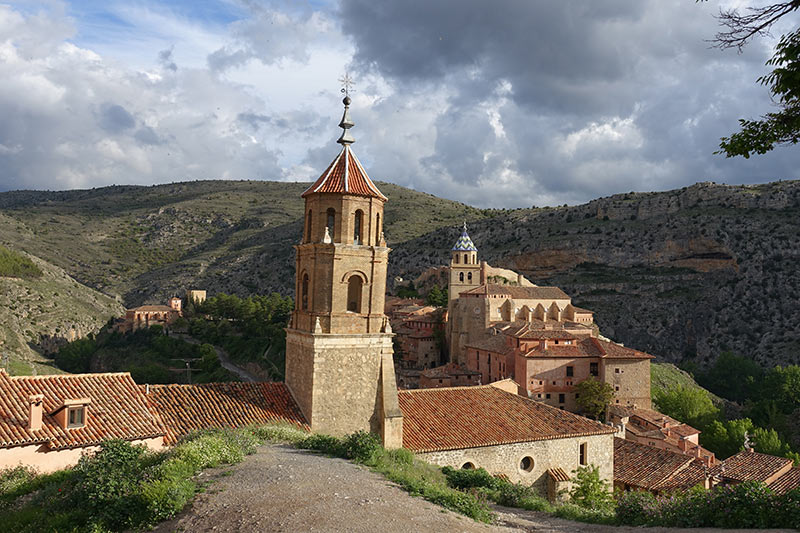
616	370
76	417
547	396
561	398
570	371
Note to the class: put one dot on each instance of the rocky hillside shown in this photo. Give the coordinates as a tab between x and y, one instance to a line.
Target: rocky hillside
39	312
684	274
147	243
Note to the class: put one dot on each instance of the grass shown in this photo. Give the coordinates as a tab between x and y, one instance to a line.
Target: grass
666	376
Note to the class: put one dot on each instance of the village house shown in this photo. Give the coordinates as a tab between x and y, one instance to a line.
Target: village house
47	422
652	428
144	316
449	375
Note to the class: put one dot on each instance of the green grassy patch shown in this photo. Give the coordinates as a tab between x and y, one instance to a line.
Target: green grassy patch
15	265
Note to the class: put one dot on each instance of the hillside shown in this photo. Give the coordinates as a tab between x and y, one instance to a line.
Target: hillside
145	243
684	274
49	306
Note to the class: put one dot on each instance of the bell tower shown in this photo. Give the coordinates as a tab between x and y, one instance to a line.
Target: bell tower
339	363
465	272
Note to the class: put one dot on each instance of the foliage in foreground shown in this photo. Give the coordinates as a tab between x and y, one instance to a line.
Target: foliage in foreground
16	265
122	486
747	505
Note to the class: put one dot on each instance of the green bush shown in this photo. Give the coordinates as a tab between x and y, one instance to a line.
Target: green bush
464	479
16	265
589	490
107	483
323	443
12	479
362	447
579	513
164	498
208	450
279	433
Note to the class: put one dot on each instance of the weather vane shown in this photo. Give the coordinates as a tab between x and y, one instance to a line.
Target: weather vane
347	84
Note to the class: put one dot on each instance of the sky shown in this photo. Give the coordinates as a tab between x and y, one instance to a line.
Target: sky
508	103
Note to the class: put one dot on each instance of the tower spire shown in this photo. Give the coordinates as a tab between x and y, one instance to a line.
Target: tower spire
346	123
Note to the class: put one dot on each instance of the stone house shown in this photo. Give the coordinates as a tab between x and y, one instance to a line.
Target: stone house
144	316
449	375
489	427
641	467
47	422
652	428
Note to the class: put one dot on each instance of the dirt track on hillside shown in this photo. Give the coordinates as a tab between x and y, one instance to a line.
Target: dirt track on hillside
282	489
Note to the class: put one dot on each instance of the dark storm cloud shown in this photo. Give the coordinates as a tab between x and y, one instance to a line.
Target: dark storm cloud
115	119
549	102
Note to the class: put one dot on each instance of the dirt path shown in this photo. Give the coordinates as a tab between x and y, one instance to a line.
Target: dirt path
283	489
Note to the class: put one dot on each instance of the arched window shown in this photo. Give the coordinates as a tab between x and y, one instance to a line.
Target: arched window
461	276
331	221
377	229
354	294
469	277
455	259
466	260
304	292
308	227
357	227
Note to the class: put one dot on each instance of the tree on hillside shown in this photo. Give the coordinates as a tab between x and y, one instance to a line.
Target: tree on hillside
594	397
437	297
690	405
734	377
726	438
783	126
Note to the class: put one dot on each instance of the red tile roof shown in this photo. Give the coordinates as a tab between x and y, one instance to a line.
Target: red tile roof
646	467
345	175
154	309
187	408
691	476
788	481
520	293
587	347
470	417
557	474
494	343
117	410
752	466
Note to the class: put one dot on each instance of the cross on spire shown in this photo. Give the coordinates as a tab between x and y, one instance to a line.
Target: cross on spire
347	84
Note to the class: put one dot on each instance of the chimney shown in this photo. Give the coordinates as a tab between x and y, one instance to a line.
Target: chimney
35	402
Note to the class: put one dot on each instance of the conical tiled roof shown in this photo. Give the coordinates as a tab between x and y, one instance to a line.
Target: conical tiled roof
345	175
464	243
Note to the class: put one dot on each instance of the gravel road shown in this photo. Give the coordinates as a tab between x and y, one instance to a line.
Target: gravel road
282	489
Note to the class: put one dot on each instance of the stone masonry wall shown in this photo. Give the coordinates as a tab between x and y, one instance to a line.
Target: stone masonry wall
335	379
506	458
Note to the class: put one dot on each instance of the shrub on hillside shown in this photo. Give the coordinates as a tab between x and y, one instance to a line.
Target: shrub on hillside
589	490
362	447
16	265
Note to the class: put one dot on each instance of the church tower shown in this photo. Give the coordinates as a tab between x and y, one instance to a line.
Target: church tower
339	343
465	272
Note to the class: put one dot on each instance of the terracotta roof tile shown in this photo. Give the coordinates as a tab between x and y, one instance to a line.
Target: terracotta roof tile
494	343
345	175
788	481
691	476
520	293
117	410
557	474
469	417
187	408
646	467
154	309
752	466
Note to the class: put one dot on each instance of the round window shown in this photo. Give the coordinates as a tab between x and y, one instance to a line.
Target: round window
468	466
526	464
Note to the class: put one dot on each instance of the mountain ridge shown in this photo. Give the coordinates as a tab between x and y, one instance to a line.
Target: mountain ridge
684	274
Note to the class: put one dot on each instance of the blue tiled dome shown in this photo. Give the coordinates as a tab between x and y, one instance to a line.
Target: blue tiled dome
464	243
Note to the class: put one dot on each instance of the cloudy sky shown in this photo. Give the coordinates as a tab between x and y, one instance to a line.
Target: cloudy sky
506	103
